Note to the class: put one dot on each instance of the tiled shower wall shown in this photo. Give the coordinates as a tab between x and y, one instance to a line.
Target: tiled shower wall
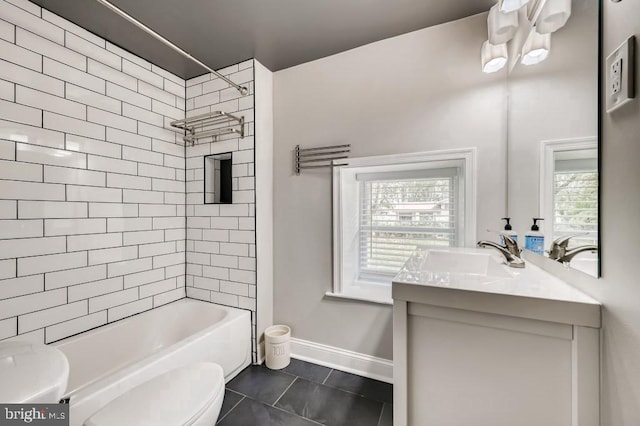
221	238
92	181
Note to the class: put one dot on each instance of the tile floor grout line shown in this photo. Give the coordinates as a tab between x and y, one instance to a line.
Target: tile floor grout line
285	391
231	409
354	393
327	378
381	412
239	393
293	414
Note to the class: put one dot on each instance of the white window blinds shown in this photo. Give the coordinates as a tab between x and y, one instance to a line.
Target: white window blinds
575	200
403	209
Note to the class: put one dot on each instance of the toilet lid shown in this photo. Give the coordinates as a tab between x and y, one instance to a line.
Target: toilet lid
173	398
30	371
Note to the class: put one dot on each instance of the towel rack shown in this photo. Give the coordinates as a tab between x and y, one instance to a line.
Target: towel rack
313	158
211	124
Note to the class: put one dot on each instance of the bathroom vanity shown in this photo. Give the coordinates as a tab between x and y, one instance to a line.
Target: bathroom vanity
489	345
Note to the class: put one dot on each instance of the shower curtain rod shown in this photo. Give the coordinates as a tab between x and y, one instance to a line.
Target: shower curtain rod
243	90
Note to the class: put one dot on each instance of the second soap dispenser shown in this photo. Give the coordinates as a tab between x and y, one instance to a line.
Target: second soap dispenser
508	230
534	239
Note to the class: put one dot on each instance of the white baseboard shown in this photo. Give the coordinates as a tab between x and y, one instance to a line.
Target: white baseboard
343	360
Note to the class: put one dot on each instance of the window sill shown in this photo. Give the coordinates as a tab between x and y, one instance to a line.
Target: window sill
377	294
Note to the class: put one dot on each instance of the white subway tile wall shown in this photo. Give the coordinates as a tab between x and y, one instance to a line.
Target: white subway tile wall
221	238
92	181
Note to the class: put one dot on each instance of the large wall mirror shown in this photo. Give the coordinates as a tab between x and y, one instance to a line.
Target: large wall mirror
553	140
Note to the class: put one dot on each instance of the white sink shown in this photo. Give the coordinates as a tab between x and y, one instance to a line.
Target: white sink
454	267
461	262
478	279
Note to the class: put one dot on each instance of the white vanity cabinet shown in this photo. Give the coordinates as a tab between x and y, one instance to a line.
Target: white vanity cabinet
520	349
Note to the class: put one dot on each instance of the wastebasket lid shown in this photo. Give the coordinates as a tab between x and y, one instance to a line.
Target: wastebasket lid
277	331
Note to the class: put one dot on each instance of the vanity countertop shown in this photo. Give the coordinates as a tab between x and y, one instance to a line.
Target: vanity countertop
477	280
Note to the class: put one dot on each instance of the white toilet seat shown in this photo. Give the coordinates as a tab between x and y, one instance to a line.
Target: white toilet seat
186	396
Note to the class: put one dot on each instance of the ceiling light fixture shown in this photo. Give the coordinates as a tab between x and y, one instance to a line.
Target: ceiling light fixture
554	15
507	6
536	48
502	26
494	57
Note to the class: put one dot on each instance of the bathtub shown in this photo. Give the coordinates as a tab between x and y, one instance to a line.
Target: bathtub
110	360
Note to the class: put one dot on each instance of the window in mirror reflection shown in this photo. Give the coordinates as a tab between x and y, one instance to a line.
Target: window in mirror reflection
570	182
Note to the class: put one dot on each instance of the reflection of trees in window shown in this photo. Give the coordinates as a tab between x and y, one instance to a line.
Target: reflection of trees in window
576	205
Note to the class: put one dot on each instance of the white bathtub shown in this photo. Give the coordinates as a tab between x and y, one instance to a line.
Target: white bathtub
108	361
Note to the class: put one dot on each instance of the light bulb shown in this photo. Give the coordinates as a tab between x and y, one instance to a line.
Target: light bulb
507	6
536	49
494	57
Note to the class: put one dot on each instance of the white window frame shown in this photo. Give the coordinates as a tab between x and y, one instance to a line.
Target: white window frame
548	150
381	292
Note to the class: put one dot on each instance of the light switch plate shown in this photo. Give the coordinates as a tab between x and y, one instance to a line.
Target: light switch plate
620	75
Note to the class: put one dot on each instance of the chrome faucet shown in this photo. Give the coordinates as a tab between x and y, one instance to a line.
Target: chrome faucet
510	251
560	251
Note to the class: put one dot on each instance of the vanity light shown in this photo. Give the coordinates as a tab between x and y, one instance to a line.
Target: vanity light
507	6
536	48
502	26
494	57
554	15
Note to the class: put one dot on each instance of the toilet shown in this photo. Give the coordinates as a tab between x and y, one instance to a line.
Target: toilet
186	396
32	373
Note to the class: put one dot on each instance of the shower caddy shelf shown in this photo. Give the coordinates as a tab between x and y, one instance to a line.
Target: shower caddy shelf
211	124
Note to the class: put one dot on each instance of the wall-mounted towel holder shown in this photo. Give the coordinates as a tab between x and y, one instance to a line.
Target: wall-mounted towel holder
212	124
313	158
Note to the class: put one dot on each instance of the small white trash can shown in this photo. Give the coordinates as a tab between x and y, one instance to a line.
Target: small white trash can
277	342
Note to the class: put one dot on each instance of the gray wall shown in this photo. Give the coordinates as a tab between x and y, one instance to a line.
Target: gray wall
417	92
619	289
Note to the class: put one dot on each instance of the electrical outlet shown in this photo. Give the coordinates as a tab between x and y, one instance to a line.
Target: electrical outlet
615	87
620	75
616	68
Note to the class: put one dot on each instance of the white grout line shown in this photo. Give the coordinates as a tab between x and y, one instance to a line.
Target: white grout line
327	378
285	391
231	409
293	414
381	411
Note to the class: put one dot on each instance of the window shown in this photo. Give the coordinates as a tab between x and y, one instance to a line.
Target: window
569	199
399	213
575	201
384	207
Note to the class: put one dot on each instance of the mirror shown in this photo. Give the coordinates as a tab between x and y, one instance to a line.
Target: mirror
553	140
217	178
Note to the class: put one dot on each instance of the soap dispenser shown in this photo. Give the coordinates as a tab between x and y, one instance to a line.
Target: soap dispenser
508	230
534	239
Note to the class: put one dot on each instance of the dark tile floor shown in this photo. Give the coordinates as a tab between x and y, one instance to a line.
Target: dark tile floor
305	394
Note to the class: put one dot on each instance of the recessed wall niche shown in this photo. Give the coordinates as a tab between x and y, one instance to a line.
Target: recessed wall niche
217	179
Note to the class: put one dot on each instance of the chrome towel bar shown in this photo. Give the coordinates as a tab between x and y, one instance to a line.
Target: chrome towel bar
326	155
